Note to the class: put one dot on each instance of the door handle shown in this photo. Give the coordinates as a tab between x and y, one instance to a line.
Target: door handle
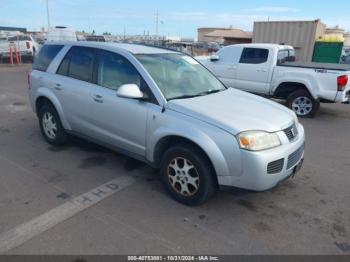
58	86
261	70
232	68
97	98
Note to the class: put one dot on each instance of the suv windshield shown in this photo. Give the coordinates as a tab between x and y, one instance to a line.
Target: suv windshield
180	76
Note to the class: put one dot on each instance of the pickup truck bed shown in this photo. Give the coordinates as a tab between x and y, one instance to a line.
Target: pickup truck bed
325	66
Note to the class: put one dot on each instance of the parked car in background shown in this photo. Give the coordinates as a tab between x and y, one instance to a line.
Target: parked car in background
95	38
61	33
166	109
345	59
270	70
25	45
4	45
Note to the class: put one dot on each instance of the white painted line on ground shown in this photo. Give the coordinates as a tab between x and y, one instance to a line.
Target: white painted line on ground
26	231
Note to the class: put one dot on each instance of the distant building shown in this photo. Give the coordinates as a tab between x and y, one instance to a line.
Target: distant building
337	31
6	31
334	30
226	36
13	29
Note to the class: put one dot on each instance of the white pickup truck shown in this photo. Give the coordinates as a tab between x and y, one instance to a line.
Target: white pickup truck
270	70
25	44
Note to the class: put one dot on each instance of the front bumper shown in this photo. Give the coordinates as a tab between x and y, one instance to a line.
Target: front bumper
255	175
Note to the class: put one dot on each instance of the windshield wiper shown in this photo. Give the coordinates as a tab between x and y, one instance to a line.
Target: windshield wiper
199	94
212	91
182	97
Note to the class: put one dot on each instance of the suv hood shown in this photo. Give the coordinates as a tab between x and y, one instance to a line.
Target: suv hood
235	111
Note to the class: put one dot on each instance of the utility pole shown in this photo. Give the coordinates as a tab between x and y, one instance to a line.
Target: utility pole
48	14
157	18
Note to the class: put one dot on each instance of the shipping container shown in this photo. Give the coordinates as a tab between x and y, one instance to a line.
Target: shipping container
299	34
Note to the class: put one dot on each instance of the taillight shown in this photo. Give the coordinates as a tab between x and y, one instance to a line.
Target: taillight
342	82
28	45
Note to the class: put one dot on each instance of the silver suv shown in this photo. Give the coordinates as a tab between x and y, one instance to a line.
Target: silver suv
164	108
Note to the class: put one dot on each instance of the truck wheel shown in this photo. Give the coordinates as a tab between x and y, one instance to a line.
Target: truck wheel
50	125
188	175
302	103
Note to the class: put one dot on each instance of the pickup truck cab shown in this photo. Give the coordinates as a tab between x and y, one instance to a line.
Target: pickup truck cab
164	108
270	70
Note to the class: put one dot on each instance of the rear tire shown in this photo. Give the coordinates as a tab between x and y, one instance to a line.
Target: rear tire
188	175
303	104
50	125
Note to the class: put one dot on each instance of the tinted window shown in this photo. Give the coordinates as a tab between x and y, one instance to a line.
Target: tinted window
46	54
78	63
63	68
286	55
254	56
115	71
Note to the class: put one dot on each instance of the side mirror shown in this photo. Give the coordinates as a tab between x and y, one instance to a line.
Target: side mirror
130	91
214	58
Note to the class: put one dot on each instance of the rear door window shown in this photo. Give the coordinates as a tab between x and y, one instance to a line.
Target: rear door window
254	56
45	56
78	63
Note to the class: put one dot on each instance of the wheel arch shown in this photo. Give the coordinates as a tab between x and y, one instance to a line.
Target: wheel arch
45	96
168	141
285	88
162	139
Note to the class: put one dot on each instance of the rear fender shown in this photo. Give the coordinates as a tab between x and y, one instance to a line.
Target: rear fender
48	94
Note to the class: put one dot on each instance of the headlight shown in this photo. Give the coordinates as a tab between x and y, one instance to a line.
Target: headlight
258	140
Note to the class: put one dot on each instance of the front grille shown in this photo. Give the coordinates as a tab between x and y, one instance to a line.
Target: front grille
291	132
295	157
275	166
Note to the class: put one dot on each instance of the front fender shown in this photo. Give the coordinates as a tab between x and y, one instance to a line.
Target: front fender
196	136
48	94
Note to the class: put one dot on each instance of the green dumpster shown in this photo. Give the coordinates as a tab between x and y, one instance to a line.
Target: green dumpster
327	52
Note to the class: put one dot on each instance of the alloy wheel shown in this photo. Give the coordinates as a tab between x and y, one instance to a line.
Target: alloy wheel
302	105
183	176
49	125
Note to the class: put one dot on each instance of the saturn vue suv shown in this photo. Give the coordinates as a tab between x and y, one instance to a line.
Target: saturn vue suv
164	108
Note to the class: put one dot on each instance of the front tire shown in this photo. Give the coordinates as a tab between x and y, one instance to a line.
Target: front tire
50	125
303	104
188	175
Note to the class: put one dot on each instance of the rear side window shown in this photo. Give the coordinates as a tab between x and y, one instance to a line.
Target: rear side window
46	54
78	63
254	56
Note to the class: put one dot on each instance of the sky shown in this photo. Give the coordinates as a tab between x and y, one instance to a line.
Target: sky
176	18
